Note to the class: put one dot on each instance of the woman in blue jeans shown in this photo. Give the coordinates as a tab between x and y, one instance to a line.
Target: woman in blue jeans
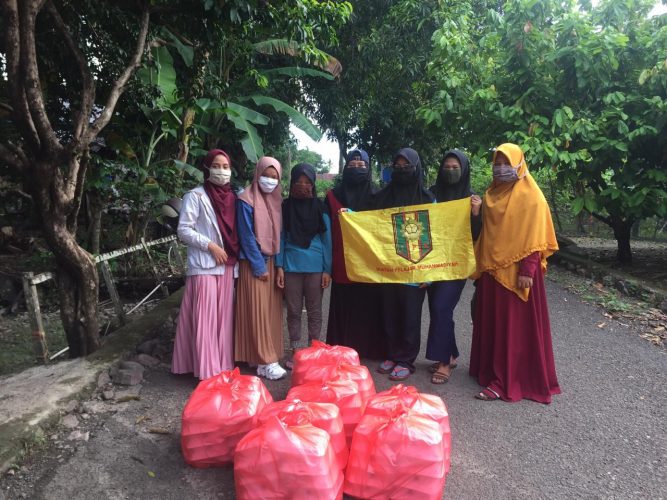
452	183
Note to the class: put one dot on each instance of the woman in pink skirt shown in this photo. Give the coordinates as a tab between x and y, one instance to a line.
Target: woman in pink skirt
207	225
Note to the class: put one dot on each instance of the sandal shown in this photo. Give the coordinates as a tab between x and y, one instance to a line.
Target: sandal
440	377
434	367
400	373
386	366
487	394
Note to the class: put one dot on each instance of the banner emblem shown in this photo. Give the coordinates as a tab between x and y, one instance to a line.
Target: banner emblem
412	235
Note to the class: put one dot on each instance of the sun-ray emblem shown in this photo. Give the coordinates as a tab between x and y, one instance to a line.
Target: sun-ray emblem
412	234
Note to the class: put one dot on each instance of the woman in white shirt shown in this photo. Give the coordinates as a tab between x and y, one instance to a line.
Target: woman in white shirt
207	225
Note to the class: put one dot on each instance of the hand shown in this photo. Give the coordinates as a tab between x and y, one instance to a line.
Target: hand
525	282
423	285
475	204
280	277
341	210
218	253
263	277
326	279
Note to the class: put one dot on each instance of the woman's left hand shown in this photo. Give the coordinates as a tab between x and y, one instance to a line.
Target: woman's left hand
475	204
326	279
525	282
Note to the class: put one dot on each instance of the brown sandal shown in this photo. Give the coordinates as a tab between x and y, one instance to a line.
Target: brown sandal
434	367
440	377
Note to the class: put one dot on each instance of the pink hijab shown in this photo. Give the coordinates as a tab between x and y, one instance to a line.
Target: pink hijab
267	208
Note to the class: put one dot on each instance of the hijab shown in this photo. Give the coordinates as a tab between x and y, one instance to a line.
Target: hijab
303	218
516	222
449	192
354	191
223	200
410	192
266	208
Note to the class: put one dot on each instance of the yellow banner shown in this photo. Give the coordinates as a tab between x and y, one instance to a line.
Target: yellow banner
412	244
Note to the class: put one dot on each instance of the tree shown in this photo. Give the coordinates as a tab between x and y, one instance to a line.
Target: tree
583	89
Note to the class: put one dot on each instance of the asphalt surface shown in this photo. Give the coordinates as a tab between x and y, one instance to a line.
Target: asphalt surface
604	437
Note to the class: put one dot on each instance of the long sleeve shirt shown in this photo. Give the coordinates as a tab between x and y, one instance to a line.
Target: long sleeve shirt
314	259
249	250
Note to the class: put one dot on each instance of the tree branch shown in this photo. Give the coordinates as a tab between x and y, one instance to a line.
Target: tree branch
28	11
88	92
117	89
13	156
20	112
602	218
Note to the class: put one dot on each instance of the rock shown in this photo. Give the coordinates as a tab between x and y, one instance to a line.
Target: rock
107	395
70	421
622	287
128	395
79	436
72	406
147	360
127	373
148	346
607	280
85	416
103	379
663	306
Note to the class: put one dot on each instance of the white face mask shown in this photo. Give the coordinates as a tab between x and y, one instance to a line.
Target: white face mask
219	177
267	184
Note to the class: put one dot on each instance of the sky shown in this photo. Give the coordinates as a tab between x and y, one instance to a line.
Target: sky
325	147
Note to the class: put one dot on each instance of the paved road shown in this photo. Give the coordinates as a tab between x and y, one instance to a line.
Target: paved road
604	437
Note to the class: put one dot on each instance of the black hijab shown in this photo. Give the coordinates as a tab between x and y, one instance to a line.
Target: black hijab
449	192
403	194
354	190
303	218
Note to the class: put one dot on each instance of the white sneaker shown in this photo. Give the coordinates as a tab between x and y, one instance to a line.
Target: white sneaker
274	371
261	370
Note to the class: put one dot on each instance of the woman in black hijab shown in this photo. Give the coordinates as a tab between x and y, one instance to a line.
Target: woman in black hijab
304	262
402	303
354	310
452	183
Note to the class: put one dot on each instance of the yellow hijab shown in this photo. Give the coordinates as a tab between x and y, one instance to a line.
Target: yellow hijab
516	222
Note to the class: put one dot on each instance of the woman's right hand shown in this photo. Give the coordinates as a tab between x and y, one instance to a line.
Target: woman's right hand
263	277
218	253
475	204
280	277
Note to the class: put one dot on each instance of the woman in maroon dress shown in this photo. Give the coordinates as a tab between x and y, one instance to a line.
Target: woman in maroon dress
511	353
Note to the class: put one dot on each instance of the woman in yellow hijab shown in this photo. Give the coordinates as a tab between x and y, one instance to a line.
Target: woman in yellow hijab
511	353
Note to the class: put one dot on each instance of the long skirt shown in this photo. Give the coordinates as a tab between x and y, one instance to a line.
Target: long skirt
355	319
258	331
204	334
511	349
442	299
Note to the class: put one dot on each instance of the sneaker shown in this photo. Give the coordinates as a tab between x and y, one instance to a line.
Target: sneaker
386	366
274	371
261	370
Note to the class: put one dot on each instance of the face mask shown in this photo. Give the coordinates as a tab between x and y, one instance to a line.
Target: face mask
403	175
451	175
301	192
355	175
219	177
505	173
267	184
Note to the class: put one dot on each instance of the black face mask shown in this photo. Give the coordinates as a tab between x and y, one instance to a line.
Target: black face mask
355	175
403	175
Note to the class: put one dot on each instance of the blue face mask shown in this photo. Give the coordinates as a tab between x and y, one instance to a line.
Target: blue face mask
505	173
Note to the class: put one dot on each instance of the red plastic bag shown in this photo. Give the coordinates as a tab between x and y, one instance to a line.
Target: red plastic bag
279	460
325	416
429	405
342	393
395	456
220	411
358	373
321	354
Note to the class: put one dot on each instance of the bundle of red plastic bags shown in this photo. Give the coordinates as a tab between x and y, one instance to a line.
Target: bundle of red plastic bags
398	454
343	393
220	411
357	373
321	354
325	416
427	405
281	460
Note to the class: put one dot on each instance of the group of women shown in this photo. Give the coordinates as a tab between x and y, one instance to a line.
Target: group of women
294	248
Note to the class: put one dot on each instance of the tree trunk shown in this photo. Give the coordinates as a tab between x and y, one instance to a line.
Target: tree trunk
622	232
95	206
